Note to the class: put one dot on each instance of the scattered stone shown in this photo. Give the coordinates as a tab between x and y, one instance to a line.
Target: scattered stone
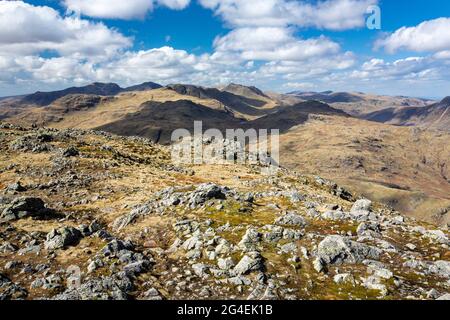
200	269
252	261
372	229
362	211
152	294
62	237
25	207
445	297
16	187
226	264
291	219
344	278
70	152
250	239
338	250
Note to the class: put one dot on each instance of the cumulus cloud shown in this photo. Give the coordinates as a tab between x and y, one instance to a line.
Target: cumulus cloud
274	44
174	4
27	29
418	68
299	86
429	36
120	9
328	14
160	64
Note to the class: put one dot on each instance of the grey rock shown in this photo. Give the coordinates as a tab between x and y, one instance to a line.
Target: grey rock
343	278
250	239
62	237
25	207
200	269
16	187
239	281
291	219
339	250
136	268
7	247
445	297
361	211
433	294
192	243
152	294
374	283
206	192
289	248
362	205
369	229
252	261
70	152
319	265
114	247
440	268
226	264
438	236
334	215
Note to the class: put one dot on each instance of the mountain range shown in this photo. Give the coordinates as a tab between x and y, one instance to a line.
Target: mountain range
389	149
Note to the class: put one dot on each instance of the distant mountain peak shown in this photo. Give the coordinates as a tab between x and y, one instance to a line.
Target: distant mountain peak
243	90
446	101
95	88
144	86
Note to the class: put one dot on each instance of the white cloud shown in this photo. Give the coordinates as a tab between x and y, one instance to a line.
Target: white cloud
158	64
26	29
299	86
429	36
120	9
418	68
273	44
174	4
309	69
328	14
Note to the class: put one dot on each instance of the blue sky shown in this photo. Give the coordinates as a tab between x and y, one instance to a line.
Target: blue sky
279	45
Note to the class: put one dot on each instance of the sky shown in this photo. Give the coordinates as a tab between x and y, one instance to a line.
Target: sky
276	45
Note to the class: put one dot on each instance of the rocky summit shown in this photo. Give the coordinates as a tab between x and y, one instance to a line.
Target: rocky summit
91	215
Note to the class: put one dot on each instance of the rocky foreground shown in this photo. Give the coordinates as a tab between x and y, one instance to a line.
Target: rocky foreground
88	215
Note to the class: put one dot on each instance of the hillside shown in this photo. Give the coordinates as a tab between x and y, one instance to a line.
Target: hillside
435	116
97	88
157	120
289	116
410	176
94	216
406	168
247	101
360	104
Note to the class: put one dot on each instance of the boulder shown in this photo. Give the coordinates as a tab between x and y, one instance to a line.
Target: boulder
362	210
445	297
339	250
369	229
200	269
250	239
16	187
226	264
206	192
440	268
70	152
25	207
291	219
250	262
62	237
343	278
